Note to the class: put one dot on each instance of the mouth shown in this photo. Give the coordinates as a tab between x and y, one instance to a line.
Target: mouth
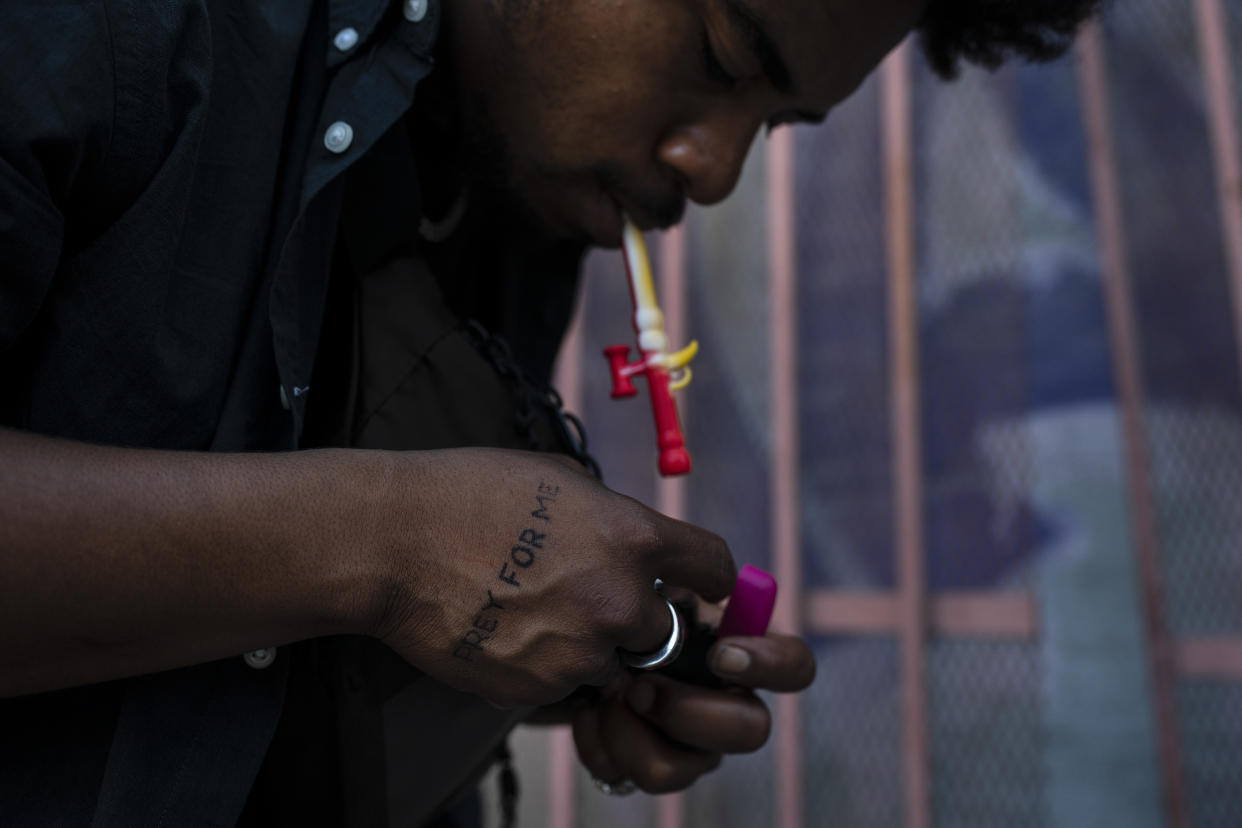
605	216
642	220
603	220
650	219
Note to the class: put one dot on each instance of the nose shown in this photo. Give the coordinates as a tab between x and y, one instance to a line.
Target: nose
708	156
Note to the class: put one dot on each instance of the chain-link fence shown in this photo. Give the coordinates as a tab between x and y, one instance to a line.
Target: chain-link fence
1026	487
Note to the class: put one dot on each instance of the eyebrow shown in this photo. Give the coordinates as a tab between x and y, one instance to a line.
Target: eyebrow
748	22
750	25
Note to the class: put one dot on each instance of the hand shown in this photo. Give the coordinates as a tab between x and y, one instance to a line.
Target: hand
663	734
516	577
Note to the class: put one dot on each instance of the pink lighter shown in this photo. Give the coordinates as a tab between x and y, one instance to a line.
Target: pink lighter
750	607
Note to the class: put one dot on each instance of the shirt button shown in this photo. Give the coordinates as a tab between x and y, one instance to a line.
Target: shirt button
414	10
346	39
260	659
284	398
338	137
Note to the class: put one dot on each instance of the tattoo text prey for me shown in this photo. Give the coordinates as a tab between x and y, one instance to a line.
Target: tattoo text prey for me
521	557
481	629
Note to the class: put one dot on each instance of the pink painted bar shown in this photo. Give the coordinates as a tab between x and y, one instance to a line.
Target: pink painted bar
1226	149
906	429
958	614
786	497
1127	372
562	759
562	756
672	287
1213	659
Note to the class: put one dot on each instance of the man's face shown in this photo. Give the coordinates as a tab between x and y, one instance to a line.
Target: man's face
588	108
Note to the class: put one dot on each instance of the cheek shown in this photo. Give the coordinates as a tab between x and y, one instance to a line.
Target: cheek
605	86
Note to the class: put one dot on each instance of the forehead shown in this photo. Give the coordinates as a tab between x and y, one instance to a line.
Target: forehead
831	46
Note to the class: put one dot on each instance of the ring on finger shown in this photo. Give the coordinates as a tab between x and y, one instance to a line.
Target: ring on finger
622	788
667	653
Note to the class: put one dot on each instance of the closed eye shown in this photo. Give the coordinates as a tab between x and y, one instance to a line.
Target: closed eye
713	67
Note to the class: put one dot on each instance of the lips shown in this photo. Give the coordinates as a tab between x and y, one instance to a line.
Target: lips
639	219
602	220
607	207
657	219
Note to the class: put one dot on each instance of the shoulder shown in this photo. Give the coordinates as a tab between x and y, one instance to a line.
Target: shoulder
56	82
162	60
79	78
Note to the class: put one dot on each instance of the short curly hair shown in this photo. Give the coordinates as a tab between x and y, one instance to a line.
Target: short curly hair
987	32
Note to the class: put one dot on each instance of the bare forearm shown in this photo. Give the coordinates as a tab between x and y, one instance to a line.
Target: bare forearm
506	574
118	562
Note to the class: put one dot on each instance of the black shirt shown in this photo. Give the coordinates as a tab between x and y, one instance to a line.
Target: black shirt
170	184
171	180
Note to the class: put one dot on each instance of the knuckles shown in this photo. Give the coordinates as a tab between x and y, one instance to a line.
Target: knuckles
631	527
615	610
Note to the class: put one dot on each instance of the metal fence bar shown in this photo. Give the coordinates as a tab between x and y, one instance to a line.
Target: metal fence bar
1211	658
562	811
895	124
671	491
1223	127
562	761
954	614
1127	371
785	495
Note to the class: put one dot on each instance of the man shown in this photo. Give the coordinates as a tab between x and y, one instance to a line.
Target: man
207	208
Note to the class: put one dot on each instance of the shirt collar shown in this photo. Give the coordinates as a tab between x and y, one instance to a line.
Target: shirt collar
364	17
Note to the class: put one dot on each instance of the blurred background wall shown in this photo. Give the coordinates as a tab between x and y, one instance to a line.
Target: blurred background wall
970	385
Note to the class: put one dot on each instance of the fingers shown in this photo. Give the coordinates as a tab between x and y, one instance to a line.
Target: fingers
664	734
590	745
688	556
711	720
653	625
639	752
774	662
614	744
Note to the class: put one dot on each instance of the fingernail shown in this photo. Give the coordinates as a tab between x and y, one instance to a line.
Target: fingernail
640	696
731	660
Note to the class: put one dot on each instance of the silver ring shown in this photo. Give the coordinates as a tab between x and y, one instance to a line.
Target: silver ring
667	653
621	788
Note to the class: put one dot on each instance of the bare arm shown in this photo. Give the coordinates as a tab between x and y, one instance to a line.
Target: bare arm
117	562
506	574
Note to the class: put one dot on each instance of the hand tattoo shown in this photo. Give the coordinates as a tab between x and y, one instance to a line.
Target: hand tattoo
522	556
